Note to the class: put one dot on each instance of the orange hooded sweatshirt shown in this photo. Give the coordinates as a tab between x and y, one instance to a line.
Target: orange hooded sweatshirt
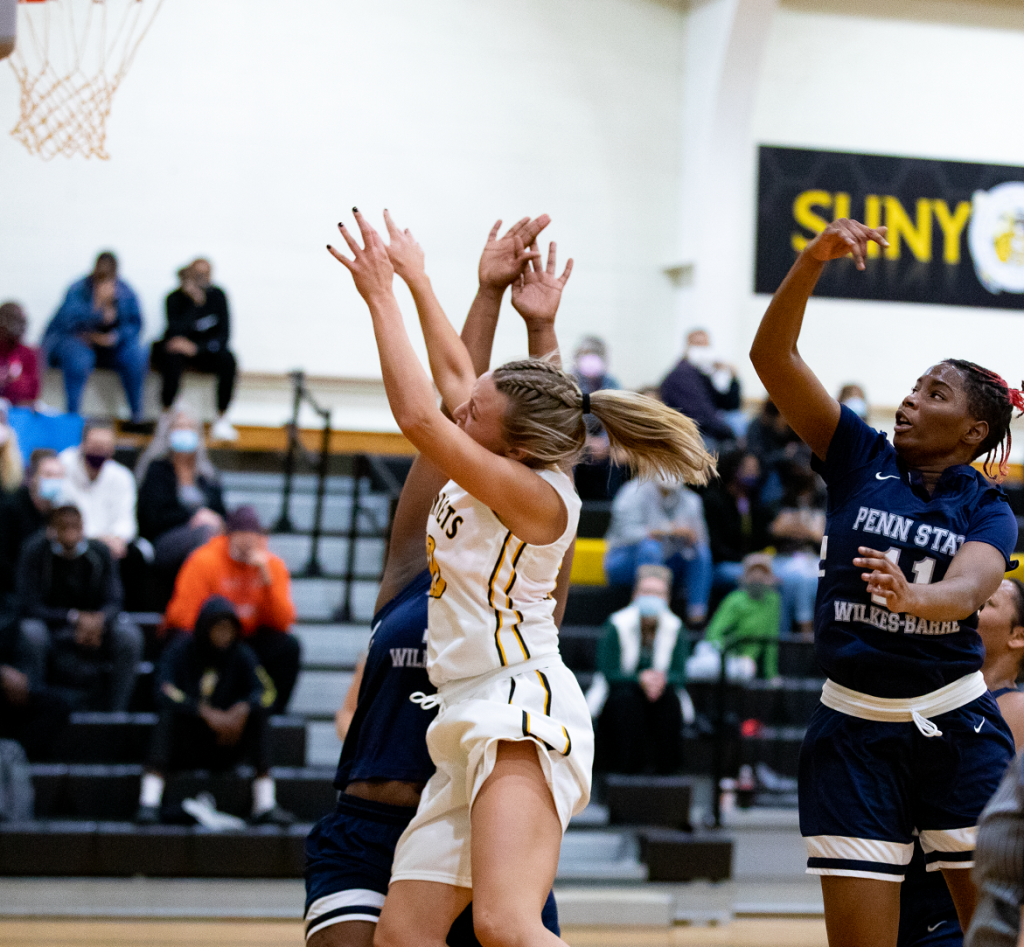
210	570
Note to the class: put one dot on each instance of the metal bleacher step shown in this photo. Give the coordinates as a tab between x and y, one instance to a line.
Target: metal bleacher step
332	647
319	693
295	550
337	512
600	856
319	600
124	738
111	792
270	482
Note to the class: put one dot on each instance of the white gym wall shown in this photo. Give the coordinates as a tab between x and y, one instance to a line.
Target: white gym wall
247	128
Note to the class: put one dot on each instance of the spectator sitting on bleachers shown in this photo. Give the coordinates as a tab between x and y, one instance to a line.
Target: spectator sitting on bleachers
23	513
661	522
181	506
641	661
75	633
19	363
751	611
797	532
596	474
196	338
852	395
737	520
11	466
705	388
775	444
31	715
213	699
98	325
104	491
239	567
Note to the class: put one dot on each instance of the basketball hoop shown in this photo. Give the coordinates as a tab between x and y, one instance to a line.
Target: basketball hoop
70	58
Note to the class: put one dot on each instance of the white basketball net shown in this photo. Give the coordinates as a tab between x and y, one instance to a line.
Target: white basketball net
71	56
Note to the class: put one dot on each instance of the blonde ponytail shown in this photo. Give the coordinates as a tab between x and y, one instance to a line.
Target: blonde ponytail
655	438
545	421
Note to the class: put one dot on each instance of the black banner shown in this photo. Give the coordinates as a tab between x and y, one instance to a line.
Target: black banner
956	230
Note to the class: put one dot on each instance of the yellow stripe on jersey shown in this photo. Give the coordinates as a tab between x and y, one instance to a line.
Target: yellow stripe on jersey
490	599
547	693
499	621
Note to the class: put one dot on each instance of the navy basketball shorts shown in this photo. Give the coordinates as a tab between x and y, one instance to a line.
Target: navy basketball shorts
865	786
348	867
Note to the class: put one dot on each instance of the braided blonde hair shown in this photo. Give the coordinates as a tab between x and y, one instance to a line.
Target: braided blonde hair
545	420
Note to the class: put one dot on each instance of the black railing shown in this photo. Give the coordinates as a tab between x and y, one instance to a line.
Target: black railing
302	394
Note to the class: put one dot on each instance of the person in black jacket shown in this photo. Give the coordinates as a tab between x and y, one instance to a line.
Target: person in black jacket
738	523
213	699
75	632
23	513
180	505
198	331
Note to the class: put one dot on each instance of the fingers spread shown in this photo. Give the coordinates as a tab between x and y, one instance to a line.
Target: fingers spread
349	239
364	228
533	227
516	228
552	247
564	278
341	259
390	224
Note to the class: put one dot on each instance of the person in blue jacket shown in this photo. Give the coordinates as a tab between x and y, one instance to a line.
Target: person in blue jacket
98	326
916	541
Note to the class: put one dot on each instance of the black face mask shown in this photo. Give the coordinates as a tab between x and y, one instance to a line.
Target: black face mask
95	461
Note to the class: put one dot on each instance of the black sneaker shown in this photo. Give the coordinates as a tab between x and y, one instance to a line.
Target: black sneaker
148	815
274	816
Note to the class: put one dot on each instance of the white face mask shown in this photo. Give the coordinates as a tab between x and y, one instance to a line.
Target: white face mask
702	357
858	406
590	365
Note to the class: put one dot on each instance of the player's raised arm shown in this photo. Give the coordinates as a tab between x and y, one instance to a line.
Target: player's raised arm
800	397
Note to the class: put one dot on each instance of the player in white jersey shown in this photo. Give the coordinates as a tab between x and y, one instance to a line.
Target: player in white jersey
512	741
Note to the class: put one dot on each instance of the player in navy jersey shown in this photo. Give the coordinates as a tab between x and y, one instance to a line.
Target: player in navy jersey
907	736
384	761
927	914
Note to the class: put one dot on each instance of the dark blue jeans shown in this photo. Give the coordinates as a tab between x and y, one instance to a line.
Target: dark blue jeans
77	359
692	576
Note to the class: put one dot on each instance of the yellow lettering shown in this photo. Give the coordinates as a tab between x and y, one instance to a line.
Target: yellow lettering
842	206
952	227
803	214
901	227
873	218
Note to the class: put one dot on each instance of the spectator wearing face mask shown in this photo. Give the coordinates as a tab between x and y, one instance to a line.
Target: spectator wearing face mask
181	506
74	629
239	567
596	476
24	513
197	336
212	699
11	467
852	395
661	522
641	661
750	612
101	488
738	522
19	364
98	326
704	387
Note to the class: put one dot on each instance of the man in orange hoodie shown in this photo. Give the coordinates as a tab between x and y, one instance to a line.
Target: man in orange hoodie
239	567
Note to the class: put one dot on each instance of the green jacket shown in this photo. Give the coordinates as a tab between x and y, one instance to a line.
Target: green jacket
739	615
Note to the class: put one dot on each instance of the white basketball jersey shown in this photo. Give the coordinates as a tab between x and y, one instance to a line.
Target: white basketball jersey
490	601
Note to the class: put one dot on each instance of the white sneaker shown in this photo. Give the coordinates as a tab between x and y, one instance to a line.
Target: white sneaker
223	431
204	810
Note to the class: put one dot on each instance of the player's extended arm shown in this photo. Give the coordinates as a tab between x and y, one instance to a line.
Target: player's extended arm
501	264
536	296
406	556
526	503
800	397
971	579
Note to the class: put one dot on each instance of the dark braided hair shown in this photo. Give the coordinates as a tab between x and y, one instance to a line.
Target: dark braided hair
1018	601
990	399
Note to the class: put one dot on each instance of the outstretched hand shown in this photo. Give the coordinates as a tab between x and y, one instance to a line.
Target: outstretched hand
405	253
843	237
538	291
886	582
503	261
371	268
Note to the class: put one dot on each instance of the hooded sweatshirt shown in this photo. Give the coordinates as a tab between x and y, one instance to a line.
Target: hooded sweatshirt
193	672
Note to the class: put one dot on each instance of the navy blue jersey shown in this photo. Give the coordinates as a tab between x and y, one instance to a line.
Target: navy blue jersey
388	735
874	500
